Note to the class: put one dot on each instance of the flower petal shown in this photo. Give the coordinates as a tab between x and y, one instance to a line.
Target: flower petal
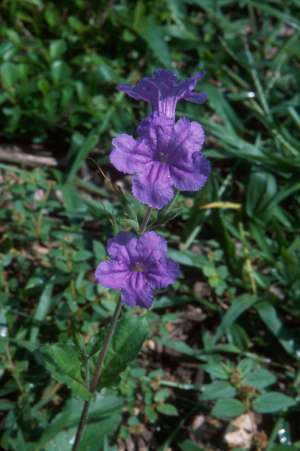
163	273
137	292
112	274
122	247
129	155
163	90
151	246
196	97
156	129
185	87
146	89
190	175
188	137
153	187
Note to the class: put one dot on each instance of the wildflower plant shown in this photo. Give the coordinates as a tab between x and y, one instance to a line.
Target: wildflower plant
166	156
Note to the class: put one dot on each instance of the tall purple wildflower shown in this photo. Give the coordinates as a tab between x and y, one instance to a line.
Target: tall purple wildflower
165	156
137	266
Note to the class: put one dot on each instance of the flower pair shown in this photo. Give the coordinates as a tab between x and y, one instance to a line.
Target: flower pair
166	156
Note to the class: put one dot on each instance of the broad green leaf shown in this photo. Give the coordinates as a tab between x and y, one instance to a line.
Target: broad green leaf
57	48
9	74
273	402
187	258
129	336
64	364
161	395
217	389
245	366
60	71
167	409
259	378
104	412
227	408
216	369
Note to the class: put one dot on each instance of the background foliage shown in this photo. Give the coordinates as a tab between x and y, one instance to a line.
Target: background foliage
225	339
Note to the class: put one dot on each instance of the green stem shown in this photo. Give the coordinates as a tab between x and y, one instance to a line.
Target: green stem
96	377
145	220
100	362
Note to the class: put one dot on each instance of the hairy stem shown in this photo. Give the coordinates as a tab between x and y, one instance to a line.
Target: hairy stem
100	362
96	376
145	220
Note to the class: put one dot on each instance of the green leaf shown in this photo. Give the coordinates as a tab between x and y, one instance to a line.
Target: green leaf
227	408
151	414
167	409
217	389
261	189
86	145
273	322
220	104
154	35
161	395
259	378
57	49
129	336
180	346
245	366
238	307
215	369
188	445
9	74
64	364
60	71
104	413
187	258
42	309
273	402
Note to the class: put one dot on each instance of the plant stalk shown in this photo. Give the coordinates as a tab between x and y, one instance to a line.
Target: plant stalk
145	220
100	362
96	377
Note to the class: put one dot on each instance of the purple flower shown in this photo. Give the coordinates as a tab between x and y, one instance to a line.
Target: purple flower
166	155
163	90
137	266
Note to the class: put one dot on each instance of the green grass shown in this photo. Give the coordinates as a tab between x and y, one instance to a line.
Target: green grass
225	338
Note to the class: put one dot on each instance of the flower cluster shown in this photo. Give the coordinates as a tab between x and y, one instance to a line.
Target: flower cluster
164	157
166	154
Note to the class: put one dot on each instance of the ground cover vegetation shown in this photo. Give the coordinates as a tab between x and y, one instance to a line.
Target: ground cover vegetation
215	363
